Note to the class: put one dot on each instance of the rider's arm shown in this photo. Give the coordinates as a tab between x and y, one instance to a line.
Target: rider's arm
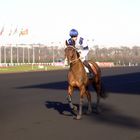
83	44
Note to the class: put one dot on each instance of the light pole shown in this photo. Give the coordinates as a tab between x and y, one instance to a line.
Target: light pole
52	51
39	54
5	54
0	54
17	54
23	54
28	55
33	55
11	54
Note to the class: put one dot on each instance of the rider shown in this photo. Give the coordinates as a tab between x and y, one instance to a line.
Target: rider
83	49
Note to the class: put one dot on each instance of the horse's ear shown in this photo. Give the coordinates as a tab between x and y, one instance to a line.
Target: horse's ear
66	43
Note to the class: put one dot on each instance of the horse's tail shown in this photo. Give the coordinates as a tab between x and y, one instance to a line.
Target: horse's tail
97	71
103	93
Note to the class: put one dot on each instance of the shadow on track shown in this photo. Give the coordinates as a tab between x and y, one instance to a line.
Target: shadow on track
62	85
61	108
111	116
125	83
108	115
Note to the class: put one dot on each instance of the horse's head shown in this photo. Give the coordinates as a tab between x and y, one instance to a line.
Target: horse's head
71	53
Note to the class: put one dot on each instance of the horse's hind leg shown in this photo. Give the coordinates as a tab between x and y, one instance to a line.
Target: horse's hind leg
89	102
97	89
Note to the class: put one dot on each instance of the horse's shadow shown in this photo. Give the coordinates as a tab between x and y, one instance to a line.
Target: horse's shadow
107	115
61	108
64	108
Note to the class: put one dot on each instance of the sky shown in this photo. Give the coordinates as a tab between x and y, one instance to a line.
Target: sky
107	22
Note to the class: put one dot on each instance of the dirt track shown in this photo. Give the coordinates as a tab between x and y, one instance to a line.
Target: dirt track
33	107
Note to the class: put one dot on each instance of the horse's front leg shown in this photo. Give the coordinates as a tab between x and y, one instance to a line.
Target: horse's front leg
69	98
82	92
79	116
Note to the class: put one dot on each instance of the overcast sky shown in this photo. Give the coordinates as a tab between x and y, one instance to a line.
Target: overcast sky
108	22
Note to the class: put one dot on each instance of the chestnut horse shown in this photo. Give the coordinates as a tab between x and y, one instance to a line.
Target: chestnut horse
77	78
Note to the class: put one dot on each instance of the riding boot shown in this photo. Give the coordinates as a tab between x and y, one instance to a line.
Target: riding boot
90	74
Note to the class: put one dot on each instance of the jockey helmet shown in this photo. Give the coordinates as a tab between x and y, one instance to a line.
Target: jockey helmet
73	33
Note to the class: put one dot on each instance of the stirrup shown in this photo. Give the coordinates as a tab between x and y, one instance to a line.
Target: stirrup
90	75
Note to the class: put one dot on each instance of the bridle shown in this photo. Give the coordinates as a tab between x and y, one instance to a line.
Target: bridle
75	60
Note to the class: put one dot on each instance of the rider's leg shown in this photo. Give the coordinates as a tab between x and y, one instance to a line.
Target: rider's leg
90	74
88	66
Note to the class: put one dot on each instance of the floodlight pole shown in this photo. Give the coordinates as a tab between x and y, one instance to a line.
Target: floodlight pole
11	53
28	55
23	54
0	53
17	54
4	54
52	51
33	55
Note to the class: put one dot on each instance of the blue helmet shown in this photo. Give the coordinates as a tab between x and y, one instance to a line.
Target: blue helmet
73	33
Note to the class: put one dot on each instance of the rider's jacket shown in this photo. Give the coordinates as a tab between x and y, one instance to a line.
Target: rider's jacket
81	46
81	43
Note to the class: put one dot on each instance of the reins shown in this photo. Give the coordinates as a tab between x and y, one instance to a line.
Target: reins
74	61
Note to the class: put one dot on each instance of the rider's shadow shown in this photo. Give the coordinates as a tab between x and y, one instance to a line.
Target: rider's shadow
61	108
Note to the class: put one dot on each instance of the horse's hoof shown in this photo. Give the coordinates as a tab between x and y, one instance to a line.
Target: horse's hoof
89	112
78	117
97	110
